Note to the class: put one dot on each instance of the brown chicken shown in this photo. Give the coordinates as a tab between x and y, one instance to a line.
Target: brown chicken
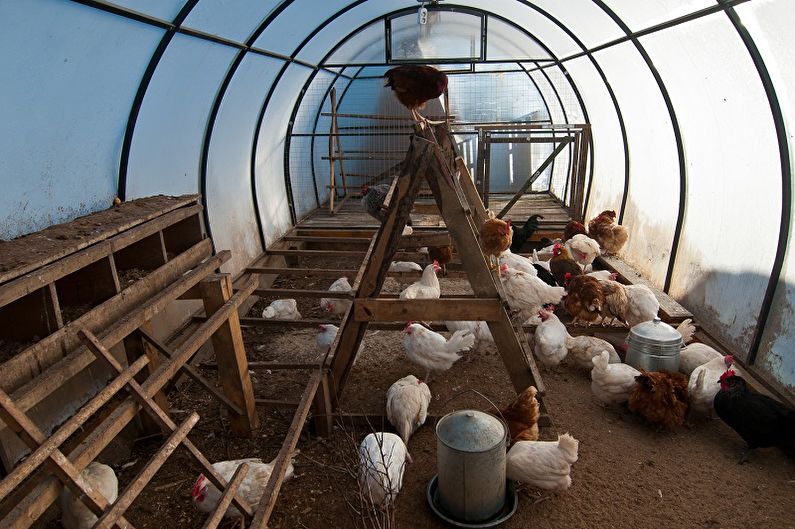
573	228
521	416
495	238
616	302
660	397
604	230
441	254
414	85
561	264
584	300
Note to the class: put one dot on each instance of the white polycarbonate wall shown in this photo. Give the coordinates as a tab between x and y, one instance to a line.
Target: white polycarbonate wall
689	101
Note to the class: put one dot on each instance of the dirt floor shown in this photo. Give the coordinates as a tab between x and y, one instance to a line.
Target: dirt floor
627	475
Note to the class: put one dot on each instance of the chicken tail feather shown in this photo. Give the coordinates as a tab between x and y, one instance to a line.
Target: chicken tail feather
460	341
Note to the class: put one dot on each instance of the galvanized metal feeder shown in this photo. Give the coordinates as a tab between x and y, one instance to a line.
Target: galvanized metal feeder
654	346
470	489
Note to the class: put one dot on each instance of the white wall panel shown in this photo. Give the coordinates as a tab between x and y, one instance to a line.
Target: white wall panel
329	36
163	9
653	201
769	24
734	179
608	185
272	196
231	19
367	46
294	24
62	135
641	15
167	142
584	18
230	203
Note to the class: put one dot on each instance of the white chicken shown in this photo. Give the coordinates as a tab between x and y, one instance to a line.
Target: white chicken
611	383
527	293
642	304
206	495
74	513
427	287
553	343
517	262
479	329
334	305
430	350
325	337
549	341
687	330
283	309
382	460
583	249
539	262
543	464
404	266
694	355
407	403
603	275
704	384
407	230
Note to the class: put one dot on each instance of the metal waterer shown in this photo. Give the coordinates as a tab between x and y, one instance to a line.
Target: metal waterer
654	346
471	487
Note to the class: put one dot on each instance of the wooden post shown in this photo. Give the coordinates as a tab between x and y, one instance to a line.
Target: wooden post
135	347
331	152
231	355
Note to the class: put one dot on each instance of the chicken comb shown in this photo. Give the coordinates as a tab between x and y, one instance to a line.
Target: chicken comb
728	360
503	267
727	374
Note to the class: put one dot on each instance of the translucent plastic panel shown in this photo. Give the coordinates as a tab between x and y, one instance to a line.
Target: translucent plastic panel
497	67
163	9
769	23
641	15
653	200
318	146
584	18
316	93
167	142
366	46
561	166
272	194
446	35
230	204
608	185
733	173
231	19
504	41
294	24
75	71
565	91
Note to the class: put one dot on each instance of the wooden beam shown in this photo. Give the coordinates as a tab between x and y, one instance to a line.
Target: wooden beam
431	309
135	347
300	272
268	500
299	293
230	353
226	499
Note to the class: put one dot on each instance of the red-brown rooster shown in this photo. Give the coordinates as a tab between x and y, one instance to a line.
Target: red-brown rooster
660	397
416	85
573	228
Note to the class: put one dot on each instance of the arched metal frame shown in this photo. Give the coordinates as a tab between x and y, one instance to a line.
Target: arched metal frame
446	7
727	6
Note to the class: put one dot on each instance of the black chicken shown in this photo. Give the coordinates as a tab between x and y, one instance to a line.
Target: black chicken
373	201
760	420
521	235
545	275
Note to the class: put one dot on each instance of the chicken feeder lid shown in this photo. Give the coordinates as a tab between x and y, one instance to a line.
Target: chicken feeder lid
470	431
654	333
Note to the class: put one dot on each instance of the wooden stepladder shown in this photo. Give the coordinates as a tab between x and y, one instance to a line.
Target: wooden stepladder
463	212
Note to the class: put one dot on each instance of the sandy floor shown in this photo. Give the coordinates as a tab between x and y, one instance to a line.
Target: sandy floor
628	475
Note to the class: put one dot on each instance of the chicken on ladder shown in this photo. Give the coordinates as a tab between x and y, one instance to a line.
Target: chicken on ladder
415	85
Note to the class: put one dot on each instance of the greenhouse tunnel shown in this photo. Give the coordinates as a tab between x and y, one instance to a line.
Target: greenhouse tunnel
689	102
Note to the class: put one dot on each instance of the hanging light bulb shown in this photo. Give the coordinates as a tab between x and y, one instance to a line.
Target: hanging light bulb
422	15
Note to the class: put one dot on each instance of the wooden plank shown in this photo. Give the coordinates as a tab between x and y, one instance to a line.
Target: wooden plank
146	474
269	496
342	240
33	505
270	365
315	253
135	347
72	263
300	272
226	499
422	309
299	293
230	353
61	466
670	310
34	391
87	240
